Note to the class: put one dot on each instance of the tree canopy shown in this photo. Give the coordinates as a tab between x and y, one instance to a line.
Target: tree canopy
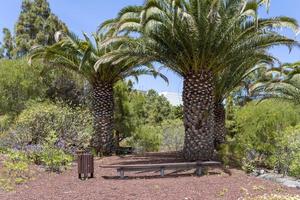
36	25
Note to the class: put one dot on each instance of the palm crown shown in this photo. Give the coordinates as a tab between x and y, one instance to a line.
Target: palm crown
188	36
81	56
282	83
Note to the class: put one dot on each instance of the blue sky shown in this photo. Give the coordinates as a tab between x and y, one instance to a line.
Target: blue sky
86	15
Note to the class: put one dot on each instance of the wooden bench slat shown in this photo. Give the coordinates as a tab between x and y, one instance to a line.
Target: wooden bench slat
161	167
166	165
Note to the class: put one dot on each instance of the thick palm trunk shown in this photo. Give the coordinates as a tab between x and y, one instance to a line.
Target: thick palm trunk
198	103
103	107
220	129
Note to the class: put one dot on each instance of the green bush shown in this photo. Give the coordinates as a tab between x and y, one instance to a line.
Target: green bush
73	126
258	128
172	135
15	169
5	122
52	157
287	156
19	82
146	139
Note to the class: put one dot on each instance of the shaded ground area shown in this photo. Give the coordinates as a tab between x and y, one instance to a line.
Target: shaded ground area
144	186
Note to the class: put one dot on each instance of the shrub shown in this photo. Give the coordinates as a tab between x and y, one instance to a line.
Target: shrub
52	157
5	122
169	136
258	128
287	156
72	125
16	170
146	139
172	135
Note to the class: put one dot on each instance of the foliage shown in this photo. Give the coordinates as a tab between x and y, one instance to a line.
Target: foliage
5	122
162	26
81	56
134	109
281	88
231	124
166	25
53	157
67	86
259	126
287	155
172	135
178	112
167	136
15	170
147	138
19	83
36	25
125	119
157	108
8	45
72	125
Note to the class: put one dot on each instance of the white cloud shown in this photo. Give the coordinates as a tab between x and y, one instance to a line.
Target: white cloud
174	98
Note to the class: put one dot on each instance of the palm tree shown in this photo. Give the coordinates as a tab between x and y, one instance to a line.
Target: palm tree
80	55
282	83
230	79
197	40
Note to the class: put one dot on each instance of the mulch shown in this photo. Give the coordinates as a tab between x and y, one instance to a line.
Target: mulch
144	186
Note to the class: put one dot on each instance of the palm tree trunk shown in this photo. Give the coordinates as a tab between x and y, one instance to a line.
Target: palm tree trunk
220	129
103	109
198	103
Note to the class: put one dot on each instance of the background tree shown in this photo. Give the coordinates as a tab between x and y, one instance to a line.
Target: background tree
8	44
1	51
124	118
36	25
66	86
19	83
157	108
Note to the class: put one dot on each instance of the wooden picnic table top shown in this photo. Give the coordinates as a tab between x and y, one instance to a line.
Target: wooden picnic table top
167	165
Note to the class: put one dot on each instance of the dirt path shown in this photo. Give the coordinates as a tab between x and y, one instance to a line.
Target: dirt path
146	186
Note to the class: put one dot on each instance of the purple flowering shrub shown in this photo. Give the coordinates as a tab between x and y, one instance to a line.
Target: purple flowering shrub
72	126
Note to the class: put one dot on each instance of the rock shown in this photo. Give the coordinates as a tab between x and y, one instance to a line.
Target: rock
291	183
286	181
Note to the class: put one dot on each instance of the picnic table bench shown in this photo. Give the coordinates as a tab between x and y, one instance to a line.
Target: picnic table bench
161	167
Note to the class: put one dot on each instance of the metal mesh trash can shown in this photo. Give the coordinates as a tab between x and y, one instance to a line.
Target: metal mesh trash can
85	163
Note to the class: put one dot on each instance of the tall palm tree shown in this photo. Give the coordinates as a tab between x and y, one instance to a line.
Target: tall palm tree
80	55
197	40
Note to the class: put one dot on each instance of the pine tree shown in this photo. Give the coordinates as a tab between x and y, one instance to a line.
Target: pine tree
1	51
36	26
231	123
7	46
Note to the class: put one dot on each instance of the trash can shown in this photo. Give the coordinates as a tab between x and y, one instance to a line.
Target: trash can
85	163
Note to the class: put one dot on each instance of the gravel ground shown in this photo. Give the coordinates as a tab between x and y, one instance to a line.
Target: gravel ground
145	186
